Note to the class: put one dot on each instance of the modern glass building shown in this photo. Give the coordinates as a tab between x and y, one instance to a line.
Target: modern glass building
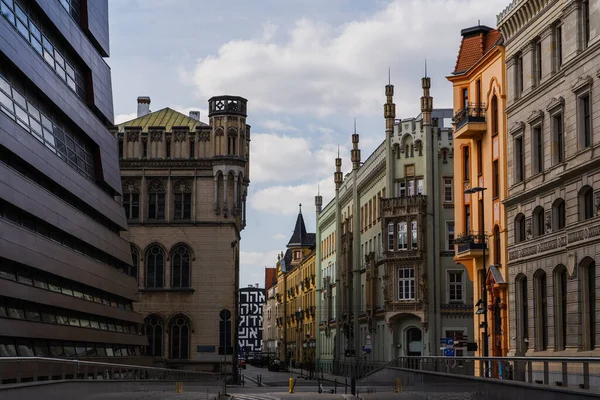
66	285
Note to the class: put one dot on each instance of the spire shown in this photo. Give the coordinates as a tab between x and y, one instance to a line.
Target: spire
426	100
318	200
300	238
389	75
337	175
425	68
389	108
300	212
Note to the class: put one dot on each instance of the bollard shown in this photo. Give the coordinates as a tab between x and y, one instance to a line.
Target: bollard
292	382
353	386
178	387
398	386
345	385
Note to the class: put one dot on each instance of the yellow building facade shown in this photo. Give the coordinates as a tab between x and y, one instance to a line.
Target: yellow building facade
480	170
296	283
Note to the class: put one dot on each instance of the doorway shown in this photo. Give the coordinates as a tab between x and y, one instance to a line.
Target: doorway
414	346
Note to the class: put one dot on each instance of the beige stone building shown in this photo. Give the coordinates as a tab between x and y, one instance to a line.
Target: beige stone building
184	192
553	204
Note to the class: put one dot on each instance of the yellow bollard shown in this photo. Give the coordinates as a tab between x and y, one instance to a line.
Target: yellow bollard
398	386
291	385
179	387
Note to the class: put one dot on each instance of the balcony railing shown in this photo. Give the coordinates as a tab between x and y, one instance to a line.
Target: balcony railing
474	112
470	241
395	204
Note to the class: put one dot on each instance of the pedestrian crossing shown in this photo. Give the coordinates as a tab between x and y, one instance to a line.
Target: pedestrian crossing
248	396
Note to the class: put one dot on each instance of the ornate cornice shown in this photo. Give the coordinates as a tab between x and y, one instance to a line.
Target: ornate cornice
199	164
516	128
535	116
582	83
555	103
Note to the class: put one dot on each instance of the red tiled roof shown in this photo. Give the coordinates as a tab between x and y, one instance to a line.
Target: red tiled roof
473	48
270	277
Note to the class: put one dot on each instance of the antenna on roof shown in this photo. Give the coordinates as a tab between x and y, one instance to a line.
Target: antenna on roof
355	125
425	68
338	150
478	22
318	189
389	75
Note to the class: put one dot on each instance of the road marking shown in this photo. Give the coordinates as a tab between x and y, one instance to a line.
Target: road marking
254	397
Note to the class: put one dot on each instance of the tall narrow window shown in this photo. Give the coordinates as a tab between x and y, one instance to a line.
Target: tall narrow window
131	203
541	311
538	62
522	308
181	267
585	124
558	214
402	239
413	234
586	203
481	216
192	149
560	305
465	94
154	330
479	157
390	237
455	287
144	148
135	260
168	149
538	221
411	187
450	236
179	339
587	289
406	283
495	179
495	115
537	142
183	206
558	140
585	15
156	200
466	164
497	250
120	149
519	76
448	190
420	189
478	92
155	267
519	167
559	50
467	219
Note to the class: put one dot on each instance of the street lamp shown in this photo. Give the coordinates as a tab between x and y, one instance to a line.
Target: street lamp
473	190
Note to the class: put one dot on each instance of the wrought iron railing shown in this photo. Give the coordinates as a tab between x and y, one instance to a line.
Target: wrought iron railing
474	112
470	241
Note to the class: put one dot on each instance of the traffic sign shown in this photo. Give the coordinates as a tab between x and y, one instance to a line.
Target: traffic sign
449	352
450	342
368	336
444	340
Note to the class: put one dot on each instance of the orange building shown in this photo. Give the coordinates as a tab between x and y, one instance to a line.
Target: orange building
480	164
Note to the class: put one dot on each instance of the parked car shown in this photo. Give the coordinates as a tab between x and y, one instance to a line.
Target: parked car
242	363
277	365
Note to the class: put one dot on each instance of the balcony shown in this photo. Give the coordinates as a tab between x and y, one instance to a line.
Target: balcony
470	245
470	122
403	205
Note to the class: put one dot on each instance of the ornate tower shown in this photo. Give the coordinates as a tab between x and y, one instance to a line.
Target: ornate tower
426	99
230	137
355	152
389	113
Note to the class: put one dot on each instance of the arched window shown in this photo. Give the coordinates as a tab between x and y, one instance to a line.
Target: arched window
155	267
179	338
587	289
538	221
181	267
496	245
560	307
154	333
540	310
522	312
413	234
558	214
586	203
135	260
402	240
156	200
231	141
519	228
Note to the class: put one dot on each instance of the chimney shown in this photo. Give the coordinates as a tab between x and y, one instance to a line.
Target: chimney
143	106
195	115
256	285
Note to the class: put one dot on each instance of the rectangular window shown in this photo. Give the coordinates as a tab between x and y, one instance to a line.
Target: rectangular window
558	44
120	149
478	91
538	62
585	123
183	206
519	167
519	76
455	287
419	186
585	15
168	149
390	237
537	143
479	157
411	187
413	235
401	189
466	164
495	179
192	149
156	206
131	203
406	283
467	219
450	236
465	95
448	190
144	149
558	140
402	242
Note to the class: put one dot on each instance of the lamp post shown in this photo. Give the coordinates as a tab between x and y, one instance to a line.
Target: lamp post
481	190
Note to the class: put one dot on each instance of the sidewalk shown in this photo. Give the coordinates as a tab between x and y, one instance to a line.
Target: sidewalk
319	375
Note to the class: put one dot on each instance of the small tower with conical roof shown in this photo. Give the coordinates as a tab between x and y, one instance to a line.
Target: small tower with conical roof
318	202
337	175
355	152
389	113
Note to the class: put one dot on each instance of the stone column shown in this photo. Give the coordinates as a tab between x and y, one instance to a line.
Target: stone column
572	37
225	178
510	80
235	191
528	68
216	202
548	52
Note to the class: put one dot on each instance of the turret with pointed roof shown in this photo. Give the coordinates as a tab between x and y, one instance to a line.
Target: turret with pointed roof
300	238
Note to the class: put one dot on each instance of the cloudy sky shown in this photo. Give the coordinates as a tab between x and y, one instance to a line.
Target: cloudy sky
307	68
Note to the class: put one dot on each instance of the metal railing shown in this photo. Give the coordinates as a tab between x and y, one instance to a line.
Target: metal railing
470	241
474	112
33	369
574	372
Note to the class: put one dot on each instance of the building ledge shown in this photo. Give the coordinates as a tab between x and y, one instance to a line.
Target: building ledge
183	290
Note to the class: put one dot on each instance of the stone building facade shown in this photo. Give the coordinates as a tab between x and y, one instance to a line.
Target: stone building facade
270	309
480	152
553	204
184	193
384	275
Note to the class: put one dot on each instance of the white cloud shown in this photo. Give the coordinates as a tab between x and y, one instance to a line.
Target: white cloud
284	199
316	68
278	125
253	263
279	236
120	118
280	158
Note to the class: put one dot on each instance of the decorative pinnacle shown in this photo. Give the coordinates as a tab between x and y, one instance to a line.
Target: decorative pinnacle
425	68
389	75
300	208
